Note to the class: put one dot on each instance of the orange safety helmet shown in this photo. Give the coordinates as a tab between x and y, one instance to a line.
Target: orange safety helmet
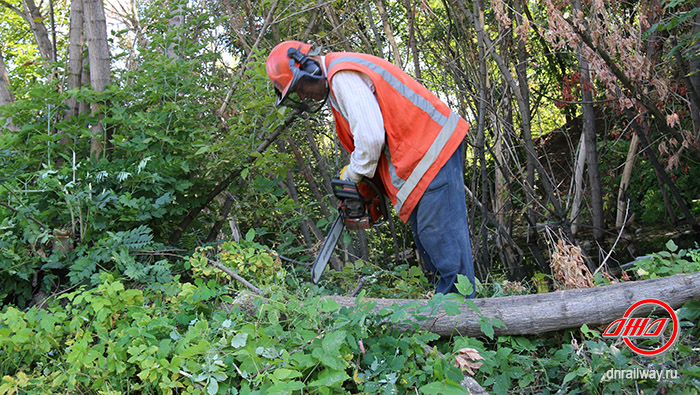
288	63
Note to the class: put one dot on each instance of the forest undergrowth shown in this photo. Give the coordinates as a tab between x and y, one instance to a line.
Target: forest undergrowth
199	330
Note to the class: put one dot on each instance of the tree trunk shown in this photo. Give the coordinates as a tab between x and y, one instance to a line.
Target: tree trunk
226	203
98	56
389	33
6	96
338	27
309	176
312	25
291	189
521	91
671	216
694	78
98	49
411	11
591	149
34	18
625	181
307	225
321	162
578	184
660	172
503	160
52	19
373	27
524	105
175	23
75	55
482	252
539	313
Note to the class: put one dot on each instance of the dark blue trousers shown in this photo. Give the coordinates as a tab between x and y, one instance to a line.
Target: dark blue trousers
440	227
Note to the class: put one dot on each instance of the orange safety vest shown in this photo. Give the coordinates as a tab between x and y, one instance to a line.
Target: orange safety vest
422	133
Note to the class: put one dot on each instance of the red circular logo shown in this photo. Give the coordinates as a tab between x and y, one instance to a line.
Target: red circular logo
630	327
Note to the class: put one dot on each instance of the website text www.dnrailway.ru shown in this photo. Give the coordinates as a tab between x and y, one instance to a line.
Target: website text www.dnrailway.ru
639	374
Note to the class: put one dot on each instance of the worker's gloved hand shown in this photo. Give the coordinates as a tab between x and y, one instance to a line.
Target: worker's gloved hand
347	174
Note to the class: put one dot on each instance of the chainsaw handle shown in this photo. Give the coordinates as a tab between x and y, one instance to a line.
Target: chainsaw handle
344	189
348	190
382	201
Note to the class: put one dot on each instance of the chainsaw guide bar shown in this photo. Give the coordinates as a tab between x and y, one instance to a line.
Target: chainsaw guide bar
361	206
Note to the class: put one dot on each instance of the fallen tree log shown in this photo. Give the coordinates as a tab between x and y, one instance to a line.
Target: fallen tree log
539	313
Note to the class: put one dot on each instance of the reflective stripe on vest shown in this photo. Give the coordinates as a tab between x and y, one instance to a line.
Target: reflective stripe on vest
427	160
400	87
448	124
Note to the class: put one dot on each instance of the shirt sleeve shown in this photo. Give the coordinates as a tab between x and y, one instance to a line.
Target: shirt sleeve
354	94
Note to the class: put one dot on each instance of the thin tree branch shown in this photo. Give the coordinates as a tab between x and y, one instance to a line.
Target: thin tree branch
659	118
244	65
36	221
234	275
234	174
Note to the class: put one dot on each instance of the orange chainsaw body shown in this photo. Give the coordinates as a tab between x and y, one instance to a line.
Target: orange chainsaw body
361	205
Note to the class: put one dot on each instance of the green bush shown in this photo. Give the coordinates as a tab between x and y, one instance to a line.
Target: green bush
188	337
670	262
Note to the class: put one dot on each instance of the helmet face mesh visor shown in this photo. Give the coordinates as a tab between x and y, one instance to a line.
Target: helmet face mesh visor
294	101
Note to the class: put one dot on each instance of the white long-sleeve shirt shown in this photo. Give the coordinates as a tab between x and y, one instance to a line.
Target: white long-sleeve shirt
354	96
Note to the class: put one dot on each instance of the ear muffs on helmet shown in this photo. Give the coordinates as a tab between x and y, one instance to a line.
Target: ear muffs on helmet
308	68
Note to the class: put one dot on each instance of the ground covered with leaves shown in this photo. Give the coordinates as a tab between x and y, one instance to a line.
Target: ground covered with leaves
202	332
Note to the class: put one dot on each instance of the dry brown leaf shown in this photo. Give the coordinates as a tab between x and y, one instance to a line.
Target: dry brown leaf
515	287
465	360
568	267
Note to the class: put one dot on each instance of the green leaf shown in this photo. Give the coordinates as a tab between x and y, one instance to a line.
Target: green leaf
486	328
285	387
331	342
285	374
213	387
590	333
198	349
451	308
671	246
569	376
328	305
329	378
250	235
524	343
239	340
464	286
690	311
440	388
580	372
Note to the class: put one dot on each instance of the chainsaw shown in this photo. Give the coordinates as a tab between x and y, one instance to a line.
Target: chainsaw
361	206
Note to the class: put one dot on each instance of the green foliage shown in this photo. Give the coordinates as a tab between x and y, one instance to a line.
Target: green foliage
580	361
168	149
173	339
399	281
680	14
191	337
252	261
670	262
18	49
117	310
